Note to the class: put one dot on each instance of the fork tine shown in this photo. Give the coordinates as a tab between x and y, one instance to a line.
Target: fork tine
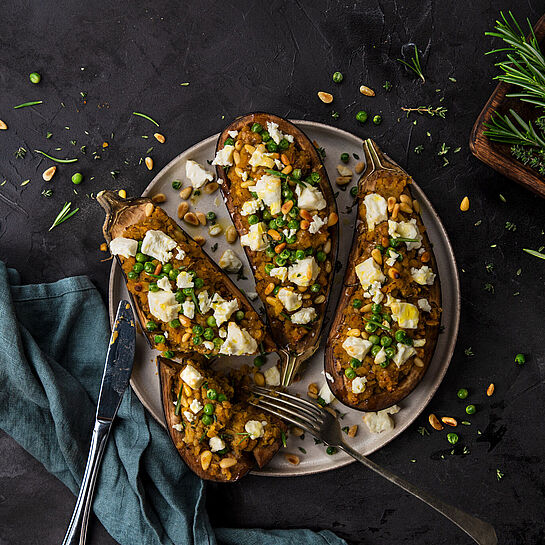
269	395
260	404
318	411
296	414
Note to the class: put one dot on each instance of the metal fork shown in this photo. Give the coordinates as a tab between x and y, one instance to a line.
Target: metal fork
324	426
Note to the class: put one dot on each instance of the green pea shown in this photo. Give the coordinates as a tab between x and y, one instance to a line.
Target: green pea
520	359
199	283
385	363
321	256
387	317
210	216
254	194
315	177
179	296
471	409
188	292
276	290
272	224
315	288
198	329
268	268
173	274
376	317
149	266
375	349
168	354
166	268
138	268
287	193
175	323
355	363
294	212
270	251
140	246
283	144
376	308
217	342
390	351
208	334
259	361
176	184
331	451
377	120
207	419
361	116
345	157
159	339
462	393
385	341
337	77
280	222
357	303
256	127
239	315
151	326
354	191
253	219
280	261
140	257
265	136
296	173
35	77
292	240
309	251
209	408
299	255
197	340
211	321
272	146
400	335
374	339
222	398
293	224
286	254
370	327
452	438
212	394
394	243
153	287
77	178
267	215
350	373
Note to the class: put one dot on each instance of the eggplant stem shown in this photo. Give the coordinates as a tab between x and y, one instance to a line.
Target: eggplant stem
372	154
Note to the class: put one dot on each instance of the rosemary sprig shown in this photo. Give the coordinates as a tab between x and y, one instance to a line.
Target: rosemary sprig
146	117
501	128
414	65
64	215
56	159
440	111
534	253
24	104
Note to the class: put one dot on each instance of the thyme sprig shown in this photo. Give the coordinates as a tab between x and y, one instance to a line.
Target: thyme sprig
414	65
440	111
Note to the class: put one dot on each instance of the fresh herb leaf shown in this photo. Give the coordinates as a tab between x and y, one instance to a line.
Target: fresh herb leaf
414	65
440	111
146	117
55	158
63	215
25	104
534	253
20	153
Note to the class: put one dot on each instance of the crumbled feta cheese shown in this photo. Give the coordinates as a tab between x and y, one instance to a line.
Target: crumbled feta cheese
232	134
391	261
374	291
209	345
419	343
222	308
310	198
127	247
406	229
423	276
158	245
279	164
272	376
356	347
316	225
230	262
329	377
381	356
204	301
184	280
224	157
269	190
244	176
376	210
188	309
405	314
381	421
424	305
304	316
178	427
261	159
304	272
358	385
279	272
275	133
254	428
164	283
197	175
403	353
238	341
191	377
180	254
163	305
195	406
251	207
216	443
189	416
291	300
326	394
369	271
255	239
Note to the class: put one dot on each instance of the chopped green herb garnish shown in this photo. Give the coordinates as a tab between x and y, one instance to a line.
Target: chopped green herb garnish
64	215
146	117
55	158
419	149
28	104
534	253
20	153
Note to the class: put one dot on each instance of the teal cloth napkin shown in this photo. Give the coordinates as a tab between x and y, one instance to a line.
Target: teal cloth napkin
53	340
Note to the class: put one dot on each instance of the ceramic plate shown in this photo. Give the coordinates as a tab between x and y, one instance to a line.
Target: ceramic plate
145	381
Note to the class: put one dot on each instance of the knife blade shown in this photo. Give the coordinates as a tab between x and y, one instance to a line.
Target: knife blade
119	362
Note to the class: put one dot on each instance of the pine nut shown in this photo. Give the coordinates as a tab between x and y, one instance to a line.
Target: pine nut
49	173
405	198
327	246
367	308
359	167
3	126
184	320
259	379
490	389
274	234
449	421
187	390
393	273
284	159
404	207
159	137
149	162
183	209
391	204
227	462
367	91
464	205
377	256
250	149
293	459
352	431
191	218
269	288
326	98
280	247
201	217
238	145
149	209
425	257
416	206
185	193
186	337
320	299
159	198
158	269
434	422
287	169
103	247
385	241
271	301
215	230
122	193
305	214
247	184
343	180
236	157
206	458
333	219
239	172
353	333
418	362
328	267
286	207
199	240
395	211
210	188
231	234
313	388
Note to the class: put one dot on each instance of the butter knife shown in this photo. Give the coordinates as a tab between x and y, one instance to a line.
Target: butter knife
117	372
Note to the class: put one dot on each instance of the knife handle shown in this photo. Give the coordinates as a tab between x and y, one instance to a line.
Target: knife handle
77	529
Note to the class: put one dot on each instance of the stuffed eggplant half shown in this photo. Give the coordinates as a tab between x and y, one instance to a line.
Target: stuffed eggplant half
185	303
387	321
215	428
281	202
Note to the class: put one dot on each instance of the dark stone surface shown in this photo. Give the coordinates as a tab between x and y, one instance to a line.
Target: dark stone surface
239	57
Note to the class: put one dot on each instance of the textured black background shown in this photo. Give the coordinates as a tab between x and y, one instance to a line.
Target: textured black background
239	56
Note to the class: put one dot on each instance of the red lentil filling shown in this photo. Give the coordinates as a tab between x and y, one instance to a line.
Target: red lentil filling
374	321
291	233
200	333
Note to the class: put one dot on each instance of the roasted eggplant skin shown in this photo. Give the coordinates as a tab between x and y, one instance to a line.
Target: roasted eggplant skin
293	353
246	461
380	172
122	213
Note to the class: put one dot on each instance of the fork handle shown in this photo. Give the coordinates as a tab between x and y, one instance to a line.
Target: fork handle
481	532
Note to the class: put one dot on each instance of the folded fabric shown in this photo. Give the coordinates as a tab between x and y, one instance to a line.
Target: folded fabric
53	341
